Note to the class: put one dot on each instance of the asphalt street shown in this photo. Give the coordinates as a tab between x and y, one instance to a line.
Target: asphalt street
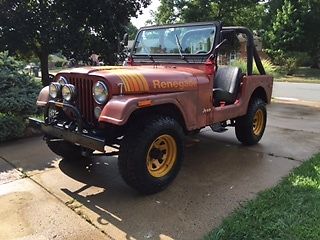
296	91
44	197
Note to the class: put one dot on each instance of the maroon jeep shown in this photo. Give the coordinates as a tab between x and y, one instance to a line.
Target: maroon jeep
170	87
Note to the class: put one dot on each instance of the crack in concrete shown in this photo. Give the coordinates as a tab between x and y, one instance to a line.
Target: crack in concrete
276	155
289	158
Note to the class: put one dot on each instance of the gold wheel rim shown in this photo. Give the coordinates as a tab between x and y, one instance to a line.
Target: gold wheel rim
162	155
258	122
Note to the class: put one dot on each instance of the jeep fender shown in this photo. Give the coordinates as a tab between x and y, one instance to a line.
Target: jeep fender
118	110
43	97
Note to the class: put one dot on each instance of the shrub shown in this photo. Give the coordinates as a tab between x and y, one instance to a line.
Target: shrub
303	58
18	95
57	60
59	64
291	65
277	56
290	61
11	126
267	64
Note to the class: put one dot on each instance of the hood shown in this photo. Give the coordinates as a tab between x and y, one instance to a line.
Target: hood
143	79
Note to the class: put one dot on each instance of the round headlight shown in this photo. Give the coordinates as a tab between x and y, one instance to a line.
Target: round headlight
100	92
68	92
62	80
54	90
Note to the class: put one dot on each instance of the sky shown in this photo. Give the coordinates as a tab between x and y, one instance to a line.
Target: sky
140	21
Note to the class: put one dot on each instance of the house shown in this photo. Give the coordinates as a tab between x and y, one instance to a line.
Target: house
239	51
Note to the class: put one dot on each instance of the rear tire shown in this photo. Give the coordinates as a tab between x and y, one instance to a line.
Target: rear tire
151	154
250	127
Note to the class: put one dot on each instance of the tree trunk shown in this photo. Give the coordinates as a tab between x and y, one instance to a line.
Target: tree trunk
43	56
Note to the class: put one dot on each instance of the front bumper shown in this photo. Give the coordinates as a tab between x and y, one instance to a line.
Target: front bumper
77	136
83	139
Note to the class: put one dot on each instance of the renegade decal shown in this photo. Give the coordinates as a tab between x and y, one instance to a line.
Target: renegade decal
174	84
133	81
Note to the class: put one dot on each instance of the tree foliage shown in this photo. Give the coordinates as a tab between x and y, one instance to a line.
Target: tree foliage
132	31
286	32
230	12
294	28
286	25
78	28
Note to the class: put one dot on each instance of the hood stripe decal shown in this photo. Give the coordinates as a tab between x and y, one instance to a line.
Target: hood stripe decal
133	81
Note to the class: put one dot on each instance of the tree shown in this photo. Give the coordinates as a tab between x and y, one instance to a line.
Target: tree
78	28
287	29
230	12
132	31
168	12
294	28
311	31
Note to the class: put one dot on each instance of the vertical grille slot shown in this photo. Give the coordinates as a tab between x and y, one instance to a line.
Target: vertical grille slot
84	98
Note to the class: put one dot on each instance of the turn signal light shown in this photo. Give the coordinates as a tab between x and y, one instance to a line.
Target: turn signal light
210	67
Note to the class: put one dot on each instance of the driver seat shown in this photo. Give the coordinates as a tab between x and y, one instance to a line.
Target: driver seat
226	85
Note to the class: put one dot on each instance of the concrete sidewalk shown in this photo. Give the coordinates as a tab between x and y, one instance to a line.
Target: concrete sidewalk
43	197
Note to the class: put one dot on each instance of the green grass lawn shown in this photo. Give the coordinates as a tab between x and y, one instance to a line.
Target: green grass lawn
302	74
290	210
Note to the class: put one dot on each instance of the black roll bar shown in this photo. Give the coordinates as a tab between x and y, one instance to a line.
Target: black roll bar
252	52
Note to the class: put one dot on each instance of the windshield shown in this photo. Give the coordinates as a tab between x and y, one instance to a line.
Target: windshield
175	40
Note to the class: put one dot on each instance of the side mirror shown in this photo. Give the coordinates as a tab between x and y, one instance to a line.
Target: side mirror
125	40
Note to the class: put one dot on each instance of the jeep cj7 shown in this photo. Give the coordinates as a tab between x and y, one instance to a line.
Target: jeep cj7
170	87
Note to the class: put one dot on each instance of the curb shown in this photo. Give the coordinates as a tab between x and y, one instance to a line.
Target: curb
295	101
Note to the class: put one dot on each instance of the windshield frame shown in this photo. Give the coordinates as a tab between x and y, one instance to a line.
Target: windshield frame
164	57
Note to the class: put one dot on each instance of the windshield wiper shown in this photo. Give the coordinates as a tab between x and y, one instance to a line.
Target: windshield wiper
151	58
180	49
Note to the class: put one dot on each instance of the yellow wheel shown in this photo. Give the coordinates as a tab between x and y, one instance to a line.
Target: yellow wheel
151	154
162	155
250	127
258	122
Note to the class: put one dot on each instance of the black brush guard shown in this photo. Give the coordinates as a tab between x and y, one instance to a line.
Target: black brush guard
76	136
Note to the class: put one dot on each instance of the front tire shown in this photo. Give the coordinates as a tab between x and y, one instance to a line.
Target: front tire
250	127
151	154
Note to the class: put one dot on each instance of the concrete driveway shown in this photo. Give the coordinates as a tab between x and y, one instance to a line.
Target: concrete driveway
43	197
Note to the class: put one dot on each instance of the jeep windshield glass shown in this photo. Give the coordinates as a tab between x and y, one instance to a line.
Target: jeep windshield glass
193	40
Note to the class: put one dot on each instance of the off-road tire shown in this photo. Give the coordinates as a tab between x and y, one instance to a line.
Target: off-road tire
134	151
245	130
66	150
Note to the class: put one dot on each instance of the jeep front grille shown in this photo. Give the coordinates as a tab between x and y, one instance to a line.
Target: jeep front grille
84	99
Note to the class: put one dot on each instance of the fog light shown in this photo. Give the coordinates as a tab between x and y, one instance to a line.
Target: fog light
54	90
97	112
68	92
